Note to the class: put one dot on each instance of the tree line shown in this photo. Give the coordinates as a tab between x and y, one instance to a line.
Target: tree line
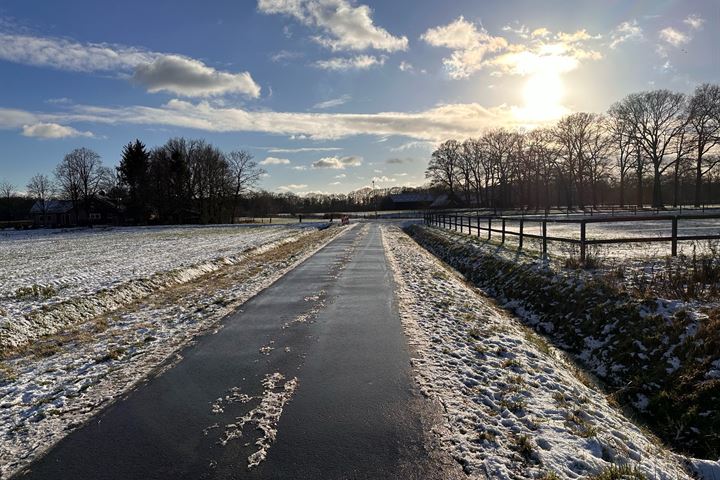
652	144
181	181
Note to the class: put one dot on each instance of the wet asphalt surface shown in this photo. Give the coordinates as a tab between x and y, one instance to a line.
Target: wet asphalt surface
356	413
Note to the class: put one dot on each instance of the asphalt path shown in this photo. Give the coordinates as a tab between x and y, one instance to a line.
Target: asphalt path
333	324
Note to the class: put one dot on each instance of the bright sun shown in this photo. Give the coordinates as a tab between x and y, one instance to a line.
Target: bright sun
543	94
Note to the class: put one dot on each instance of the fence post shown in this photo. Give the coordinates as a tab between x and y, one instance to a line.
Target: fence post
489	227
674	236
522	224
503	231
455	220
582	241
544	233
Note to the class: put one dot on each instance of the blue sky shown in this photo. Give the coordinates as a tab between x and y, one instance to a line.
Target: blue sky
328	94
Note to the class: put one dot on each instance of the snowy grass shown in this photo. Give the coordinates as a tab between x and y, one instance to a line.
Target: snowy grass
51	279
514	406
66	378
657	356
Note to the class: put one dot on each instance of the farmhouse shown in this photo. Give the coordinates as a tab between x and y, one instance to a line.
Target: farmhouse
64	213
411	201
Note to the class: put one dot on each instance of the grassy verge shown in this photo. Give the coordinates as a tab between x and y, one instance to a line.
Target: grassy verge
660	361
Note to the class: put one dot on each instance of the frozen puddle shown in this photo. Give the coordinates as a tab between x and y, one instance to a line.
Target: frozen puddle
265	417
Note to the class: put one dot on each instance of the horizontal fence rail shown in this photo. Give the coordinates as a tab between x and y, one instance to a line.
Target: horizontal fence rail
465	223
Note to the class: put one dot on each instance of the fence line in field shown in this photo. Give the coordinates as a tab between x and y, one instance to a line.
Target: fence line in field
484	223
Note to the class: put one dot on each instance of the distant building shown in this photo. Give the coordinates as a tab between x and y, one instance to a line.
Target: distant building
412	201
62	213
446	201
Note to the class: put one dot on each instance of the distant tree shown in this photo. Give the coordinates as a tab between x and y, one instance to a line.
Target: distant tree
658	119
133	178
501	147
443	167
622	145
704	120
40	188
81	176
7	190
244	174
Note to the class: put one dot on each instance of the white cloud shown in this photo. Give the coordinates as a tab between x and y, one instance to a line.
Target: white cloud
291	187
64	54
344	26
59	101
399	161
359	62
338	162
333	102
342	175
156	71
384	179
541	32
275	161
406	67
191	78
475	49
299	167
674	37
469	43
304	149
624	32
694	21
285	55
52	131
420	145
460	120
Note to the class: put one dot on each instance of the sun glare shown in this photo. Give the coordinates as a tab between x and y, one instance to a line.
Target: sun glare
543	94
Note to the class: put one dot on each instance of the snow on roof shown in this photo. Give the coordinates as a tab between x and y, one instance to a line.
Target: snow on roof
52	206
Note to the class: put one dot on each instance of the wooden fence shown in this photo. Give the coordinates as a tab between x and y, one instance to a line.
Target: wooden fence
490	224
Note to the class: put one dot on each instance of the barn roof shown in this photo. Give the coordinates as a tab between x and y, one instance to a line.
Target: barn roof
52	206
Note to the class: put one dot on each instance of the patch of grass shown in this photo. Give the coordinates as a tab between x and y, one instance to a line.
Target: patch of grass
511	363
550	475
35	291
523	446
113	354
514	405
7	373
539	342
474	333
579	426
619	472
487	435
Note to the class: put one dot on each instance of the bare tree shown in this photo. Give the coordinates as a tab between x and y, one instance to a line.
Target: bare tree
443	167
657	119
245	173
501	147
581	145
472	148
81	176
40	188
622	145
7	190
704	122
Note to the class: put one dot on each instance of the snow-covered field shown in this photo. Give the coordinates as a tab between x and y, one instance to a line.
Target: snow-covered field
515	407
46	395
49	279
